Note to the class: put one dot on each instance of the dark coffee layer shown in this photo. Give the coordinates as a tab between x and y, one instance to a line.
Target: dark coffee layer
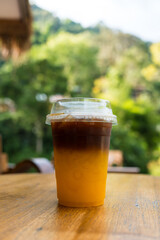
81	135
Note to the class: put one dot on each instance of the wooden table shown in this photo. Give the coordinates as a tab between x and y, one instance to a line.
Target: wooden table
29	210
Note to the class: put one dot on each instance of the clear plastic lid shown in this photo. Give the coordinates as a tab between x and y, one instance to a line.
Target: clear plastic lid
81	109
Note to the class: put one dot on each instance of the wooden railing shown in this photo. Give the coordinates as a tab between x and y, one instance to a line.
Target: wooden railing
3	158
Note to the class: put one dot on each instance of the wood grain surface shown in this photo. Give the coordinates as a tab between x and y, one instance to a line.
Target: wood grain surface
29	210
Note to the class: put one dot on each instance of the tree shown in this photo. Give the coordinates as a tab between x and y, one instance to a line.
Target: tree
113	45
122	77
78	56
152	75
29	85
72	27
136	133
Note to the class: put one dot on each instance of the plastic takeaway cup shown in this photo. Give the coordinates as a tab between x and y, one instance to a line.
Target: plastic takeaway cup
81	129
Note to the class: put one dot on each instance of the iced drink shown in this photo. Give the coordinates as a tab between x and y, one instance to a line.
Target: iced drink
81	148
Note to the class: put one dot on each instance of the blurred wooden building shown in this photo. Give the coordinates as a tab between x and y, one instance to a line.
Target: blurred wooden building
15	27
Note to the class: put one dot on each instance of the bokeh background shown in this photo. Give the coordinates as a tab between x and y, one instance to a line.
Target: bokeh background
71	56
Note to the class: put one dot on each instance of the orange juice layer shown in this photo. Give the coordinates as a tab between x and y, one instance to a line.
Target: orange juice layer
81	176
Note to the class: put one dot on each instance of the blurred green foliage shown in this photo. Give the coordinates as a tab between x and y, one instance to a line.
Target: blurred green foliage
70	60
